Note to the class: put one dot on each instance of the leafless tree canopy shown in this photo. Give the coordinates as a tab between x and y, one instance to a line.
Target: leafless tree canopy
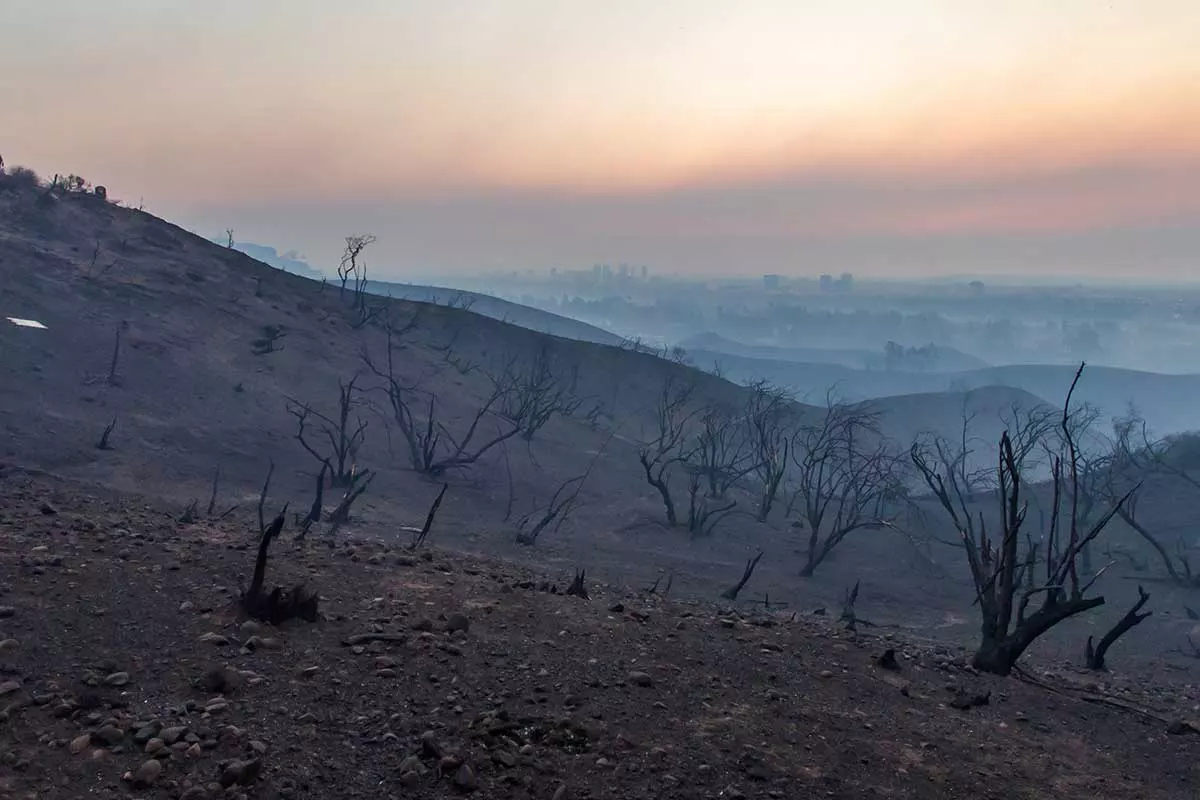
1136	453
847	478
540	388
666	445
339	436
352	264
434	444
769	416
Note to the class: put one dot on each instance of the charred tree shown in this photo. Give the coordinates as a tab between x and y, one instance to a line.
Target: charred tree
732	592
423	534
556	512
1095	655
704	513
314	513
104	443
338	435
767	415
847	479
433	448
1001	571
664	450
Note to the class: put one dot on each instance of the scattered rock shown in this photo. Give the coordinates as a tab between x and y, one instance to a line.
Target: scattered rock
80	743
1181	726
147	773
464	778
458	622
240	773
9	687
108	735
9	645
117	679
7	612
430	746
641	679
173	734
616	608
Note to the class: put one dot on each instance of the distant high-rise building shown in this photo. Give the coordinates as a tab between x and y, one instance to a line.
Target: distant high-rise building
771	282
826	283
645	272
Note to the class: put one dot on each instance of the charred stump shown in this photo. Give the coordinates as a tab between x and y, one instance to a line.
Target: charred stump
279	605
577	588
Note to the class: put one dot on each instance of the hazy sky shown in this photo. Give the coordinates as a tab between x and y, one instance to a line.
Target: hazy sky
925	136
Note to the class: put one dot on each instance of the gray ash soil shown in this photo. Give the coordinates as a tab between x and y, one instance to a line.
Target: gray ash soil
126	672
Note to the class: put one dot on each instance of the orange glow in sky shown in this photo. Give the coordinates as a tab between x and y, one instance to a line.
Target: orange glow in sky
1065	116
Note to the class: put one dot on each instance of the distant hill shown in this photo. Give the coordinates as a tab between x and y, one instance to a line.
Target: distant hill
290	261
1166	401
935	358
533	319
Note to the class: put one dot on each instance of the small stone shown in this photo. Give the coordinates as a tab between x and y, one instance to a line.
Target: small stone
423	625
80	743
309	672
195	793
117	679
561	792
641	679
251	628
108	735
458	622
214	638
616	608
9	645
195	751
147	773
154	745
464	778
186	606
241	773
430	746
173	734
826	673
411	764
504	758
9	687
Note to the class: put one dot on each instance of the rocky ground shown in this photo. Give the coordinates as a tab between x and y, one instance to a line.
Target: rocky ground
125	671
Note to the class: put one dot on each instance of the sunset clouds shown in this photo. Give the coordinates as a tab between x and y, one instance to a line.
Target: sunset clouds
634	126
